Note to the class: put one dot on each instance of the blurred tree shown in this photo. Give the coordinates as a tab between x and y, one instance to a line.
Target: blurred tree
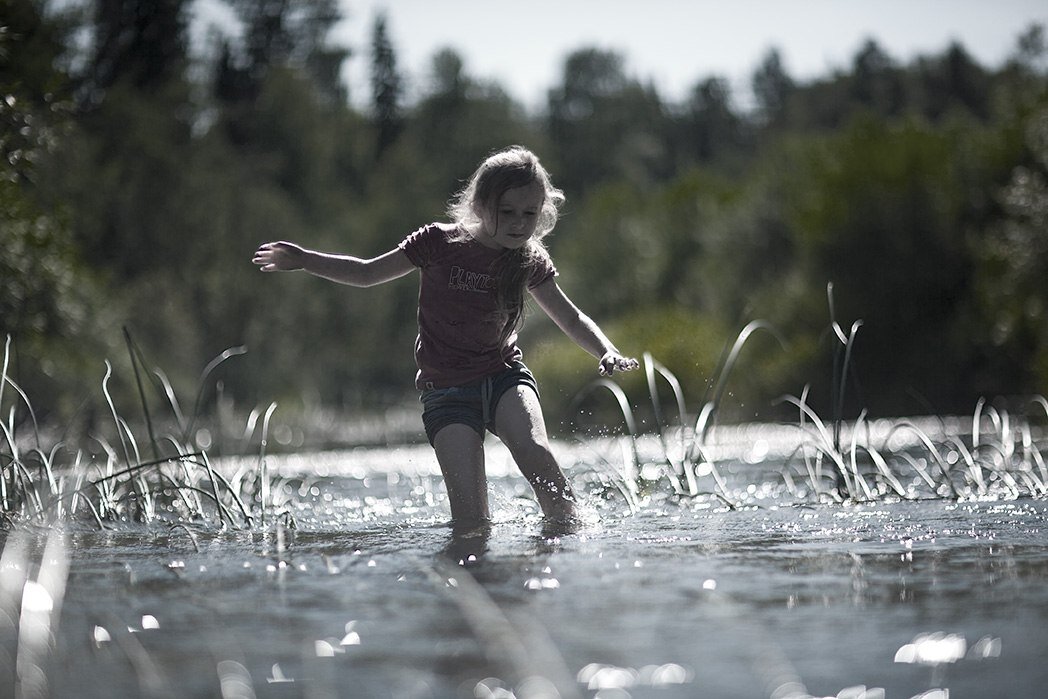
603	125
47	297
880	178
953	81
772	89
875	82
711	128
1013	269
1032	49
278	34
457	122
133	127
882	211
292	32
140	42
386	86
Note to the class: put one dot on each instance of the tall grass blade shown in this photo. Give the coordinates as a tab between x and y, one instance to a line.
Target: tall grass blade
136	359
1041	401
112	409
977	422
841	364
828	447
624	408
204	375
724	370
651	367
263	465
172	400
841	382
3	369
29	408
857	477
926	441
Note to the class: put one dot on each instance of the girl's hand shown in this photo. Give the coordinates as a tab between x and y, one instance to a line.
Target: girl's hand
279	257
613	361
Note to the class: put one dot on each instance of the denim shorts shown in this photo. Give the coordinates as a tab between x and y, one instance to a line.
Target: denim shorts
472	404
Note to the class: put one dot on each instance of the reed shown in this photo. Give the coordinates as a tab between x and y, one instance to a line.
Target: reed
679	467
176	483
1003	455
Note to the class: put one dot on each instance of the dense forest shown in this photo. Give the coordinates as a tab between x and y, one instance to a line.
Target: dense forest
138	175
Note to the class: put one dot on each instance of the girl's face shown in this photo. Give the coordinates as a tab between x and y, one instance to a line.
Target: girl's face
512	222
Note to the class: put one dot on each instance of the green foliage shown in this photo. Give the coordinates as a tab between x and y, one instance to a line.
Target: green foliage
386	85
1013	266
141	44
916	189
47	296
676	336
596	106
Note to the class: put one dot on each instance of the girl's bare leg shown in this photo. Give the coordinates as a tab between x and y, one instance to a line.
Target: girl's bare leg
460	453
518	419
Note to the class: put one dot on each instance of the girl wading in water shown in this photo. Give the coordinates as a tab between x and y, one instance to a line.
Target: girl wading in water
474	272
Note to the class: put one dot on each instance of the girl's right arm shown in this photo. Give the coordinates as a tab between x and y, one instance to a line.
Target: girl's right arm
285	257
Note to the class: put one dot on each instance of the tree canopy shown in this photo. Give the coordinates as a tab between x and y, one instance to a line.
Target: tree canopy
137	177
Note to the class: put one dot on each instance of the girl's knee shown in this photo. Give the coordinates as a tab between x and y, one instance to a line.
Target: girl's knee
535	454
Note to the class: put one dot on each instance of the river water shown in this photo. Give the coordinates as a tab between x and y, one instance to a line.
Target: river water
356	587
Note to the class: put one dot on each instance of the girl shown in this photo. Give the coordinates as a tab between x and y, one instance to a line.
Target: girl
474	272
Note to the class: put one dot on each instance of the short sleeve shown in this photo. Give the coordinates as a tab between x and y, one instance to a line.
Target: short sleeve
543	271
423	244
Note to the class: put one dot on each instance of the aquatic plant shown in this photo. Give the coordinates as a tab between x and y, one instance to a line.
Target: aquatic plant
834	460
175	484
678	463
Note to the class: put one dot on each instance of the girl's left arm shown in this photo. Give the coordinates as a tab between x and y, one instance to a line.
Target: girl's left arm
580	328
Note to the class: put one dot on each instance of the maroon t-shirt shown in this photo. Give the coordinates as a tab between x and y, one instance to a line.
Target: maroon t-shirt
459	328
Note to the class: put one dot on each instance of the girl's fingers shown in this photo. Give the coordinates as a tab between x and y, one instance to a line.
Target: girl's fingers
608	365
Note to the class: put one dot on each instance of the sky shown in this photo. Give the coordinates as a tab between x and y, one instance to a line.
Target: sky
673	43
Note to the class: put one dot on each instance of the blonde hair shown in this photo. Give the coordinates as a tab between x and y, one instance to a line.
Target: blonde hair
502	171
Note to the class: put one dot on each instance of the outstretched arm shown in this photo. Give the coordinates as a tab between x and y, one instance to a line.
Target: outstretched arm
286	257
580	328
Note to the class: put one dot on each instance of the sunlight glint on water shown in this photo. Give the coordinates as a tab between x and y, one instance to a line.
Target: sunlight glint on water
364	585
